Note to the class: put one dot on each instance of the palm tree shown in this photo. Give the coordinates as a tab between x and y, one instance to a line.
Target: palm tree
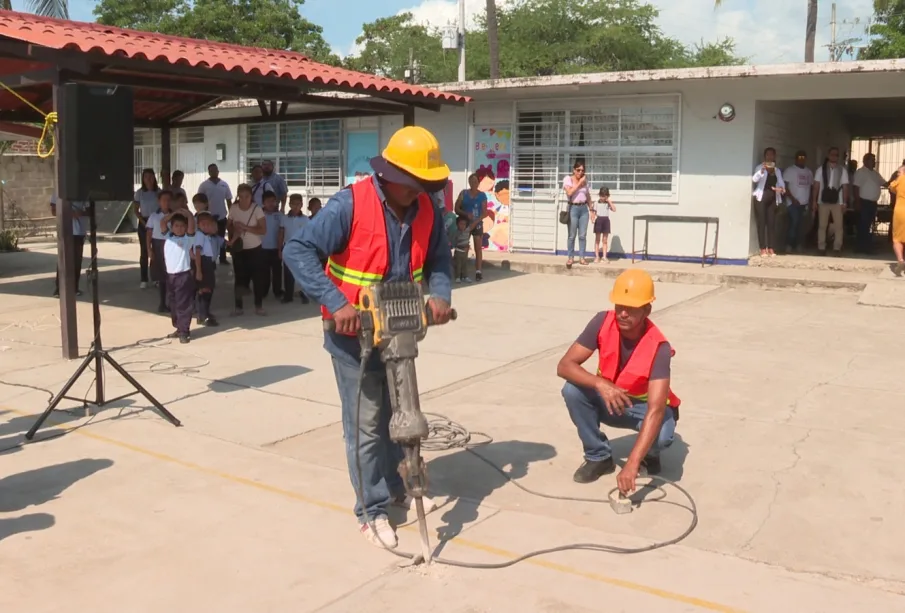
493	43
45	8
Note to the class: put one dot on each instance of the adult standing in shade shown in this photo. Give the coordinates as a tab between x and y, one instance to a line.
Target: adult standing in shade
219	199
144	203
277	182
866	188
78	241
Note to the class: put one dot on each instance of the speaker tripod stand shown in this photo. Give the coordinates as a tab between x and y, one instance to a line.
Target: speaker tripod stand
98	355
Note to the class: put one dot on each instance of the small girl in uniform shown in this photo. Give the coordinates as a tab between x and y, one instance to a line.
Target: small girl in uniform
601	215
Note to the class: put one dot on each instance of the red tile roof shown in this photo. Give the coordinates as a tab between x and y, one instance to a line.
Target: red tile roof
92	37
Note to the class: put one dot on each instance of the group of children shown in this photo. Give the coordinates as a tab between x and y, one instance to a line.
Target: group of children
184	248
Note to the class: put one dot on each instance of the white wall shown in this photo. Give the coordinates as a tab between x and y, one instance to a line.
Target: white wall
230	167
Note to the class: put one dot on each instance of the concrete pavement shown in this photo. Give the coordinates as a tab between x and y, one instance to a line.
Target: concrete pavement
789	441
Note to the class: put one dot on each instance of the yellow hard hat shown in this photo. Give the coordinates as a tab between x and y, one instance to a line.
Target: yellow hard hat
417	152
633	288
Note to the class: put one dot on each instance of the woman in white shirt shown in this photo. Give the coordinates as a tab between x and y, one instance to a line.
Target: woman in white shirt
768	191
246	226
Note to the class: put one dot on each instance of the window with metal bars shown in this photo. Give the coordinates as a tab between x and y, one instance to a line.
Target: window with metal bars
631	149
147	149
304	153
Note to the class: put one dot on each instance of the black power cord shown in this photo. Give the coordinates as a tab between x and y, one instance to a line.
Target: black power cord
445	434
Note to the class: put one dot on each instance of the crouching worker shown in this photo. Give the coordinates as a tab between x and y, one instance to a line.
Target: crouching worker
631	387
383	228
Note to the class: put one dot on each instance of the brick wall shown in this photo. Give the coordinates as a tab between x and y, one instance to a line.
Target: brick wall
29	182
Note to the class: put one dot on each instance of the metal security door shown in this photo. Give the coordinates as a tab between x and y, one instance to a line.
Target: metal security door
533	216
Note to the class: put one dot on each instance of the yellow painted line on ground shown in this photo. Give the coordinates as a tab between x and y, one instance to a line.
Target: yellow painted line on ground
265	487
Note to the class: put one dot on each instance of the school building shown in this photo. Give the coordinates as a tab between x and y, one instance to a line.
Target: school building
676	143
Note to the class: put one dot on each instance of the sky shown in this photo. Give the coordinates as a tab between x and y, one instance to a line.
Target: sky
765	31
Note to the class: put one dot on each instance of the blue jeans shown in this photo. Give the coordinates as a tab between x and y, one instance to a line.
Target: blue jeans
588	411
866	223
796	212
379	456
578	224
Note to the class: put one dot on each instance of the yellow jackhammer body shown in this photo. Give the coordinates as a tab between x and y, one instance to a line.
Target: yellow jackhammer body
394	319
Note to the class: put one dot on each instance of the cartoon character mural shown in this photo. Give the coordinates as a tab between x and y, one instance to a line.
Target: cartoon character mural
492	158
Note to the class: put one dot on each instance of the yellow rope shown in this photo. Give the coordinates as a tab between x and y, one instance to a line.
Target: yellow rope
47	133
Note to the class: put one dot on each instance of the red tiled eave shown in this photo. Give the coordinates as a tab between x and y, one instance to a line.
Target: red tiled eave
95	38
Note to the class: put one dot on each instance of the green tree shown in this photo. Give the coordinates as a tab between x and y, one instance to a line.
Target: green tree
389	44
888	35
539	37
271	24
45	8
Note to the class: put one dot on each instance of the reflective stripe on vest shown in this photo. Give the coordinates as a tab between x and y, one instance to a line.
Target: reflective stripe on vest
365	260
635	376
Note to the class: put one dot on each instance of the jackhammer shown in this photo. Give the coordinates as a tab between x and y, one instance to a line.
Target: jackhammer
394	319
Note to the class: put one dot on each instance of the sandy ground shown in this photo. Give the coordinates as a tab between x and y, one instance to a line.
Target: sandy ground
789	441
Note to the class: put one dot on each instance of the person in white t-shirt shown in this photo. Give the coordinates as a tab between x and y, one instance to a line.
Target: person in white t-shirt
867	185
799	182
828	198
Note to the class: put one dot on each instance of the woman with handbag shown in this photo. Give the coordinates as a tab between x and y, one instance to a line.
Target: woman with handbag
246	226
579	197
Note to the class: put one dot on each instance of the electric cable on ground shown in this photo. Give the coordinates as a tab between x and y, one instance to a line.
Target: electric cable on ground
450	435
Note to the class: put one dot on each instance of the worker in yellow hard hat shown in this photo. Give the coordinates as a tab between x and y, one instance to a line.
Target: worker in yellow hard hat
631	387
382	228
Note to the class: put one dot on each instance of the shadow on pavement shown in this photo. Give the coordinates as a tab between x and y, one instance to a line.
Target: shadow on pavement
473	480
672	458
13	430
41	485
26	523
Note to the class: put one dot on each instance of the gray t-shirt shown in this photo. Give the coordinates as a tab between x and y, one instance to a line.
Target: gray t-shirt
588	340
147	202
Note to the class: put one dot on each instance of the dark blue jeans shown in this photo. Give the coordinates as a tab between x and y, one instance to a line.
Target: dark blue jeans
796	212
587	410
866	223
379	456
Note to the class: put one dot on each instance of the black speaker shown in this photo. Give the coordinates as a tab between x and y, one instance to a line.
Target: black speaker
97	142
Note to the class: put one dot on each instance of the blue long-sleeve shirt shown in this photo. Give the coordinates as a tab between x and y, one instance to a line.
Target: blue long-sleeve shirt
328	234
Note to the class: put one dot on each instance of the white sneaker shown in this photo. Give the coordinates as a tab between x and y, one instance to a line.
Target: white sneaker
384	531
143	285
458	280
407	502
467	280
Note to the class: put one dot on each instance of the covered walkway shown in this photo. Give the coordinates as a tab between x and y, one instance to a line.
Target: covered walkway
174	79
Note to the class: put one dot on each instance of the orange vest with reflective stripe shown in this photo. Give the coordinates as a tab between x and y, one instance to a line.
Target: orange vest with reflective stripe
366	258
634	377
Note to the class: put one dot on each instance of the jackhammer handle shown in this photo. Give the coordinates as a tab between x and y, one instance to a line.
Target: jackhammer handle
330	325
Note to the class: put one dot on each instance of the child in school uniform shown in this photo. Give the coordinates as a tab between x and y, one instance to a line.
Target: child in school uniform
156	238
206	247
460	248
178	251
270	244
294	221
201	204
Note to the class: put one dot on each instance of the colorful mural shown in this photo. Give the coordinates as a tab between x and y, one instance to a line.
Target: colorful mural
492	159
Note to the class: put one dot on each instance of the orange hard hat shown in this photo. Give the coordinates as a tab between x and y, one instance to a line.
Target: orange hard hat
633	288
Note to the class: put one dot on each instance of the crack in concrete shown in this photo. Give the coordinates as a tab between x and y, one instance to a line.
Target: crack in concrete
776	476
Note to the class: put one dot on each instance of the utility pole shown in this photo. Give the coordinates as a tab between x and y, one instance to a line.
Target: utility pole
833	32
461	41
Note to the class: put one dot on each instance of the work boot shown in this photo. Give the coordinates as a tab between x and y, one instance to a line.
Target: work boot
652	465
384	530
591	470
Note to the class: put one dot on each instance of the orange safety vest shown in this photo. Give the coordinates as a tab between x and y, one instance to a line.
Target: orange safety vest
634	377
366	258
